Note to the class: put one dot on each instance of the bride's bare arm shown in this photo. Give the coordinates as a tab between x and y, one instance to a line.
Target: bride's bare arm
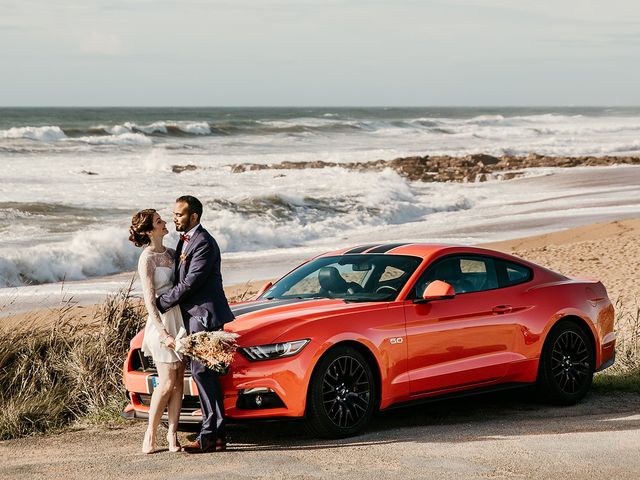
145	270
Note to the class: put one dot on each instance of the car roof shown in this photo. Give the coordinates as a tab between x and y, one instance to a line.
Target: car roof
405	248
424	250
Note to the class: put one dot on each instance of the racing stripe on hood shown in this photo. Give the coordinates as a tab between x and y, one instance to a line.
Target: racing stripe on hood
385	248
361	248
264	305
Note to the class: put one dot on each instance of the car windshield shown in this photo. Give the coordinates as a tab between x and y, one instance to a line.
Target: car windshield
355	277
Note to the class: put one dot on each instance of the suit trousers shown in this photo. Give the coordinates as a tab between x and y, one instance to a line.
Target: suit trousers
211	399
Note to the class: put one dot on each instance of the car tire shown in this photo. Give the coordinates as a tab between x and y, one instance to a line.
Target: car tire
342	394
566	365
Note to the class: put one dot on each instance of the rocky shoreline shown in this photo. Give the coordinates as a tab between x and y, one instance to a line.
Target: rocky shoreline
471	168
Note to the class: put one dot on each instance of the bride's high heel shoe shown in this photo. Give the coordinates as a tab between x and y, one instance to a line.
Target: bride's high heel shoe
149	442
172	440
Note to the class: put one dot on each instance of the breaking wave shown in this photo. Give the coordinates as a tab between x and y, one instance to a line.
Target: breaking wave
43	134
244	223
87	254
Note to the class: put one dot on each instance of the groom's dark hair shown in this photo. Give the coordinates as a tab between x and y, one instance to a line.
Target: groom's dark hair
193	204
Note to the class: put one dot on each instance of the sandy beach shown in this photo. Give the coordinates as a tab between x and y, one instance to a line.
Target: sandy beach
27	314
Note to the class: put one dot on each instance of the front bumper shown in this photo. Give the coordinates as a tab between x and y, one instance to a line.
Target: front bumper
252	390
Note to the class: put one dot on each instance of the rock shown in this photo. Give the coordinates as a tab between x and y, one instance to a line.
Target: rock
238	168
511	175
471	168
483	159
182	168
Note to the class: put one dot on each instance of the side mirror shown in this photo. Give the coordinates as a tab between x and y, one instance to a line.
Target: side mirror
436	290
264	288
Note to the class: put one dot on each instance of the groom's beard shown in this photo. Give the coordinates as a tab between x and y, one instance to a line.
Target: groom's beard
186	228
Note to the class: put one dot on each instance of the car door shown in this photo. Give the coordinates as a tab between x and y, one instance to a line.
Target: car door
465	340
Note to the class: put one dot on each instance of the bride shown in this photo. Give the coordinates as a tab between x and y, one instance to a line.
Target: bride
155	268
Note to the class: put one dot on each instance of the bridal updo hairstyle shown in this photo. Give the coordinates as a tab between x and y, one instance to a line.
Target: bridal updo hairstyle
141	223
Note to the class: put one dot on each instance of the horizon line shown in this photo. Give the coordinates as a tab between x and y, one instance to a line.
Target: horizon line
325	106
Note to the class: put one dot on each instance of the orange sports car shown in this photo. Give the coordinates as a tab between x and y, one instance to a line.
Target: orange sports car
362	329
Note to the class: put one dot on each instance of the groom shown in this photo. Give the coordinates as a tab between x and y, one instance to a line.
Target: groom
198	290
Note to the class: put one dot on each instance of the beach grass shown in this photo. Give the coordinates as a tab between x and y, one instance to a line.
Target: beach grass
69	372
247	292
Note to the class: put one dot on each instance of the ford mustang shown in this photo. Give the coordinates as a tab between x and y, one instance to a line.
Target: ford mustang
362	329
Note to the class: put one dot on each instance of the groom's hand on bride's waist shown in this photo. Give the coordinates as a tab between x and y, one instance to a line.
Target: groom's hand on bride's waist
159	305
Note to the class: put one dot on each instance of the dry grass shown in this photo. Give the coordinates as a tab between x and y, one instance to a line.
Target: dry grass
248	292
624	375
628	340
53	376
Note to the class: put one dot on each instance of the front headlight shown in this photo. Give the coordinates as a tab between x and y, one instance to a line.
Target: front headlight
273	350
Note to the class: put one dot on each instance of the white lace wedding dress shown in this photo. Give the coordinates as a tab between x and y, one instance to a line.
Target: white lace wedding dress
156	276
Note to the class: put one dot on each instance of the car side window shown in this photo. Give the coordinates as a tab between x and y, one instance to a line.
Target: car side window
511	273
465	274
479	273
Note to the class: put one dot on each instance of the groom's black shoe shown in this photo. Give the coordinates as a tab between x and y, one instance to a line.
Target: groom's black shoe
221	445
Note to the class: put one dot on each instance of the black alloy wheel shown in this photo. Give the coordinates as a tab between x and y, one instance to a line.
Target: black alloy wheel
342	394
570	362
566	365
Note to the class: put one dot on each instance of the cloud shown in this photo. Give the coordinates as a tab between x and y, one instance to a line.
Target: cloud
107	44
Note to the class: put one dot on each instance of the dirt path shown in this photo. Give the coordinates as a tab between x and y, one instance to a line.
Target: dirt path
493	436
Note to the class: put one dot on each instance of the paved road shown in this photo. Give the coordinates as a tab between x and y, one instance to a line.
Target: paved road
493	436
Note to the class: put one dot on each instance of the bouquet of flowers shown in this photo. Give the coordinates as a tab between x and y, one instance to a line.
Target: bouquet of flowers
214	350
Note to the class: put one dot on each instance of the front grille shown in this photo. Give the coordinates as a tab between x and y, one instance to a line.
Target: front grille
142	363
148	365
190	403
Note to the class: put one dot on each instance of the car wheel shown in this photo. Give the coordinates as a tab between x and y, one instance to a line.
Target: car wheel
566	365
342	394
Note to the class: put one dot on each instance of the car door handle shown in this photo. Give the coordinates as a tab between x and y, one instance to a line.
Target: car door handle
502	309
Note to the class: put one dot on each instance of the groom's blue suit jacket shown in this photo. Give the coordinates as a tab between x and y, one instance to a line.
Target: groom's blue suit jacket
198	284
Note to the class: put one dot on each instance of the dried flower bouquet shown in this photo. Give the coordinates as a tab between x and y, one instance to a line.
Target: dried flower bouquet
215	350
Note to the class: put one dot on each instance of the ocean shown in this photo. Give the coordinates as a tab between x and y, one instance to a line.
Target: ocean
71	179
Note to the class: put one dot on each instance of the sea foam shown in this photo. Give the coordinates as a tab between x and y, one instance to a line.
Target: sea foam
121	139
86	254
43	134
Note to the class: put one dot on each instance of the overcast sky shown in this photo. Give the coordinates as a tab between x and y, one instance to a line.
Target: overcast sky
329	52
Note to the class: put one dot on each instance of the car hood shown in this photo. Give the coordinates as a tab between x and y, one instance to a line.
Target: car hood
263	321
